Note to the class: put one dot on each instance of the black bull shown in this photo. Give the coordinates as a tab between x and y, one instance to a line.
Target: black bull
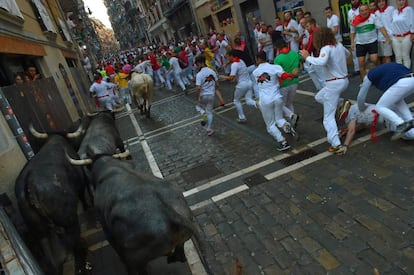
48	190
143	217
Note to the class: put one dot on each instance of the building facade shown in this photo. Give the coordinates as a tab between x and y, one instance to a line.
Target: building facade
35	34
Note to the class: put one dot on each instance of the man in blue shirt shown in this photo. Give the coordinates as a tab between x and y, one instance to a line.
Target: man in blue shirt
396	82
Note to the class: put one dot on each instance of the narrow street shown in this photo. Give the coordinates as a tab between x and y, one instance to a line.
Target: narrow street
304	211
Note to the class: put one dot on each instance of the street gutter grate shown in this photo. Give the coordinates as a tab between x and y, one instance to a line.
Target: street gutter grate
202	172
298	157
254	180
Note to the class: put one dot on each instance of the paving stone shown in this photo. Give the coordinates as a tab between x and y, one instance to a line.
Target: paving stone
296	231
224	229
290	244
326	259
355	243
346	257
382	248
374	260
313	197
263	258
283	259
251	242
381	204
337	231
278	232
368	222
310	244
273	269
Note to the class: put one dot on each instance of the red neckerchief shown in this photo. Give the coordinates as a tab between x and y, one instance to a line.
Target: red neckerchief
99	80
287	23
383	9
372	12
374	125
400	10
285	76
359	19
235	59
284	50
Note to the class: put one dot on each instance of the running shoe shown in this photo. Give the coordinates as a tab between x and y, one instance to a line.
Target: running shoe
204	120
339	150
241	120
210	132
294	120
283	146
401	129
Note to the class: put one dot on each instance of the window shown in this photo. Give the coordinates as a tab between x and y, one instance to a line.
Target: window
225	17
64	31
11	7
43	17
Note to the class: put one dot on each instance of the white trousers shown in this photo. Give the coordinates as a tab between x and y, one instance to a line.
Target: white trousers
273	115
393	99
328	97
402	50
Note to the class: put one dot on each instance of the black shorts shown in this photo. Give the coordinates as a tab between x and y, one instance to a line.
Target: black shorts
363	49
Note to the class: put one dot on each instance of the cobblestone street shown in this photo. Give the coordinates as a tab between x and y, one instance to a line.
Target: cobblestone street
305	211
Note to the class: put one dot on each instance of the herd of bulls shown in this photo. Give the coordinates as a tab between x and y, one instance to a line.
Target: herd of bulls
143	217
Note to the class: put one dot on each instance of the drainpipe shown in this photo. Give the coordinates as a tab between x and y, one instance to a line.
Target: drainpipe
14	125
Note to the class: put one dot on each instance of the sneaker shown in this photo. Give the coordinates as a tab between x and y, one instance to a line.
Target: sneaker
401	129
343	110
283	146
204	120
336	149
286	128
293	133
341	150
210	132
294	120
241	120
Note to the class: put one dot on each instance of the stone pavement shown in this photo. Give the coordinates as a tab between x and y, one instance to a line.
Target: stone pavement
305	211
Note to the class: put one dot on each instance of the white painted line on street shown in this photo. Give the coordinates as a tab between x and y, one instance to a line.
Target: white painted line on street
249	169
281	172
147	150
229	193
194	260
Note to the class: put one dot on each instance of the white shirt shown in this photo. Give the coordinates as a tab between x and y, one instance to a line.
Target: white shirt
333	60
332	22
351	15
366	117
294	46
175	65
267	79
206	78
239	70
386	18
364	34
102	89
403	22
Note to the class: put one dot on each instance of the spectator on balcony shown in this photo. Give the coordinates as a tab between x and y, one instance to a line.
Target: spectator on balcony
32	74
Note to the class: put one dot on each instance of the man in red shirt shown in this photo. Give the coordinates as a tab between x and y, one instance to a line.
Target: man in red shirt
156	68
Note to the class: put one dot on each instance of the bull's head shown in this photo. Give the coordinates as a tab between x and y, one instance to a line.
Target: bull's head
40	135
88	161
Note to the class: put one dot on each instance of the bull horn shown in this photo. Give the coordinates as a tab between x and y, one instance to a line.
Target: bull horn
76	133
92	114
78	162
121	155
116	110
36	133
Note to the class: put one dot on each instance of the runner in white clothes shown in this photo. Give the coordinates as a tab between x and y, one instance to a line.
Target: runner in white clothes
354	11
104	93
333	59
244	86
206	84
271	101
356	120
